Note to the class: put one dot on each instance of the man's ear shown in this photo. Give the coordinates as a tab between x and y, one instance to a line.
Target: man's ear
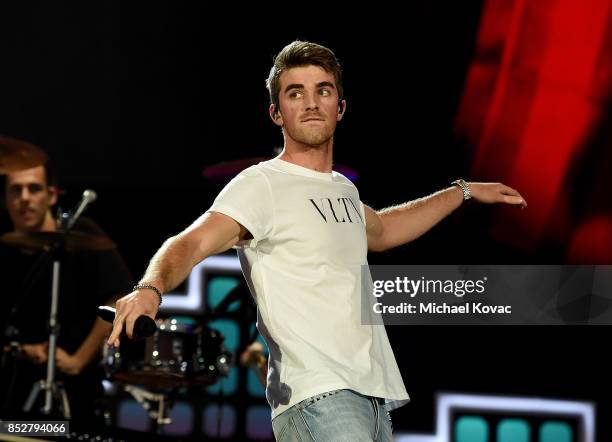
53	192
276	115
341	109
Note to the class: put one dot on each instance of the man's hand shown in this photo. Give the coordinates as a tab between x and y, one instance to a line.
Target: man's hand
253	355
496	193
67	363
254	358
129	308
36	352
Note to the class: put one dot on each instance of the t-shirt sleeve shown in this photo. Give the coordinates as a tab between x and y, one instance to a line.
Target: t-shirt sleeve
247	199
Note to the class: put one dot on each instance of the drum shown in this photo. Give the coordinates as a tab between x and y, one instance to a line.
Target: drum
179	354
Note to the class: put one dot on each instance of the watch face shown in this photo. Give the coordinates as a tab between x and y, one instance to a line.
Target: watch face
464	188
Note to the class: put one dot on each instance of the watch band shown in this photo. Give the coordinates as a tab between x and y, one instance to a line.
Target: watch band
465	188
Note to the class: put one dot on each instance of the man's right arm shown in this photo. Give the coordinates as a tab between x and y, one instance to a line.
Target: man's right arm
210	234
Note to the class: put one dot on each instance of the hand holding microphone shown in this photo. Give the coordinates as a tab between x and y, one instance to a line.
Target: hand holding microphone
144	326
142	302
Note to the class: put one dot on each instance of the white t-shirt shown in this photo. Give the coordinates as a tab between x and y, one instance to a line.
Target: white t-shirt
303	267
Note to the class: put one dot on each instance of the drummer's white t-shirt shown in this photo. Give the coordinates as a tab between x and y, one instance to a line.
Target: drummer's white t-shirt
303	267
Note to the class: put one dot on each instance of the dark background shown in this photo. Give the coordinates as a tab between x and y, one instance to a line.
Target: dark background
134	100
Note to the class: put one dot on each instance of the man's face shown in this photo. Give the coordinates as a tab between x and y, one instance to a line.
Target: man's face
28	198
309	105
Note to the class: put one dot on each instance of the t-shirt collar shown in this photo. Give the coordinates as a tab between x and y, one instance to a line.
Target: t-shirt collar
299	170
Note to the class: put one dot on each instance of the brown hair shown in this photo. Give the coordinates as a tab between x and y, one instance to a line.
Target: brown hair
302	53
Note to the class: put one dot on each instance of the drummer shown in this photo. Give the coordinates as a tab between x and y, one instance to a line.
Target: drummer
87	279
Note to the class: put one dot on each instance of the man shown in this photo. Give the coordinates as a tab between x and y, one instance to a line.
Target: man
302	235
86	280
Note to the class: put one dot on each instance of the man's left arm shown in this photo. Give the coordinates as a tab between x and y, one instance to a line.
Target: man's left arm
107	278
89	349
397	225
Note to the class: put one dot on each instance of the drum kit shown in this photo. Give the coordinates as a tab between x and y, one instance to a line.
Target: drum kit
179	356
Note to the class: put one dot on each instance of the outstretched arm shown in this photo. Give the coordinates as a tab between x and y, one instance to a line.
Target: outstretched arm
397	225
210	234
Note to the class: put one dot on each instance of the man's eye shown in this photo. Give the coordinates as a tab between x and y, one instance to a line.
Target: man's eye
295	94
324	92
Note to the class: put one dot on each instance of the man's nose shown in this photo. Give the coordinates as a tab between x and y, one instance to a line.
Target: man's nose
25	194
312	102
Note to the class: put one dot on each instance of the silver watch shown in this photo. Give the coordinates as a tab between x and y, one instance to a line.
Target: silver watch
465	188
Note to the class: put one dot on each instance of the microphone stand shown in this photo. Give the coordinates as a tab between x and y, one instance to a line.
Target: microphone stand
55	389
52	389
11	334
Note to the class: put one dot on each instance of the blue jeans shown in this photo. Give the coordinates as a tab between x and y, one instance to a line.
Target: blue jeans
335	416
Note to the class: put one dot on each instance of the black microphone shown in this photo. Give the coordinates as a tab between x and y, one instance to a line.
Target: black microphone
144	326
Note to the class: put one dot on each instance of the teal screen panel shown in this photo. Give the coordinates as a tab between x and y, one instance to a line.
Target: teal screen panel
228	385
254	387
471	429
230	331
513	430
552	431
217	289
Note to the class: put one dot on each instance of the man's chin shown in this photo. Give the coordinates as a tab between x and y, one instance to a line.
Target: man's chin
314	138
28	226
314	141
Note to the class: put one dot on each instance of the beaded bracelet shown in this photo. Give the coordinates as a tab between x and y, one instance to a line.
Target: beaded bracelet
150	287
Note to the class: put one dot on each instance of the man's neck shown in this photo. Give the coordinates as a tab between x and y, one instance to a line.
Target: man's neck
49	224
319	158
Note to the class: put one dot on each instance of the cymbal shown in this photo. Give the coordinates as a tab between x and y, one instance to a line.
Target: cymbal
43	241
226	170
18	155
